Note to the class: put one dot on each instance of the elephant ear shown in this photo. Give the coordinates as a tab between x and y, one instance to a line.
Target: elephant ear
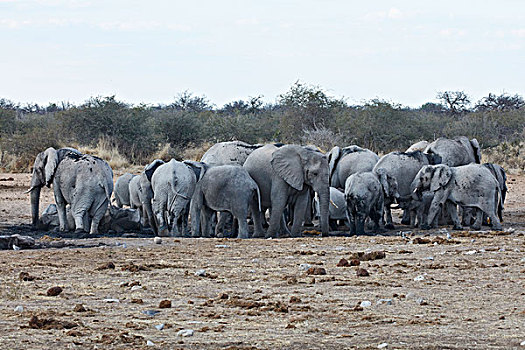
441	177
477	150
51	163
383	179
150	168
199	168
333	158
286	162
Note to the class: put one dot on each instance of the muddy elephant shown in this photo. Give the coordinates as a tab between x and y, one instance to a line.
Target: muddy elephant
83	182
225	188
284	176
470	185
346	161
173	184
455	152
121	190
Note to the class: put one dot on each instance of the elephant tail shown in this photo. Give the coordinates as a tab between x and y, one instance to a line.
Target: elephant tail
499	204
258	197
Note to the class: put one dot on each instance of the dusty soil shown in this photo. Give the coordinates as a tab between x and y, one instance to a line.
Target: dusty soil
427	292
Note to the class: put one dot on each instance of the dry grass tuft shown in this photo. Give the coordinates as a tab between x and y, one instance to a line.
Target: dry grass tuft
166	153
108	152
510	156
194	152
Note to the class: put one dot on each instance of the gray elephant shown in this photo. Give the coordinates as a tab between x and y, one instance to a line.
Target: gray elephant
418	146
364	195
403	167
173	184
336	209
284	176
84	182
470	185
347	161
225	188
455	152
121	191
228	153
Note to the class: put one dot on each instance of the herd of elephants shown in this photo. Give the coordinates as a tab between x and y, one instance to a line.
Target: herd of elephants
276	187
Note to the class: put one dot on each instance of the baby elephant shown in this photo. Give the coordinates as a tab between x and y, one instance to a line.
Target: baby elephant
364	198
225	188
470	185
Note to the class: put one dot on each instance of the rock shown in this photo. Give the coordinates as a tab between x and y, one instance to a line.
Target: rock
157	240
421	301
111	300
470	252
106	266
134	288
355	262
316	271
294	299
185	333
304	267
19	308
429	258
385	301
362	273
160	326
150	312
150	343
54	291
382	345
365	303
200	273
343	263
419	278
223	296
25	276
79	308
165	304
522	343
222	246
137	301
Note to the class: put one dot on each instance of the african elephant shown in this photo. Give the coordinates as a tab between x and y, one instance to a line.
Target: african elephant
418	146
347	161
228	153
121	191
141	194
336	209
84	182
173	184
364	195
403	167
470	185
284	176
455	152
225	188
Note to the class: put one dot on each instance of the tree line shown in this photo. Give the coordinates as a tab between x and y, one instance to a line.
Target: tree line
305	114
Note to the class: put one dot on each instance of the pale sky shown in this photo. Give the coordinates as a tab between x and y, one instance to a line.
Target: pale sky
149	51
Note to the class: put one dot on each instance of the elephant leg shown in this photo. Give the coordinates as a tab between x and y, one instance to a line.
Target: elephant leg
406	217
61	209
309	211
207	215
301	205
97	215
388	214
160	216
279	200
258	231
478	218
350	213
452	210
241	219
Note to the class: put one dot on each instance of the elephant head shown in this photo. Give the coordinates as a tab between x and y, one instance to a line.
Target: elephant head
389	184
43	171
298	166
432	178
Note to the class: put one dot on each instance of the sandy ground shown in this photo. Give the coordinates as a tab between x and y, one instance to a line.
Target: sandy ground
426	293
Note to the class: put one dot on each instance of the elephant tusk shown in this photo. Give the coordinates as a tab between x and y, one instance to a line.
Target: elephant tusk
30	189
331	201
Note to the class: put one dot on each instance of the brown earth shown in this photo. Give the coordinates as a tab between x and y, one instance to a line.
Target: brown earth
426	292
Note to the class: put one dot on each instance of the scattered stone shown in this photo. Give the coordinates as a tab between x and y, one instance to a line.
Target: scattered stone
290	326
79	308
419	278
137	301
304	267
421	301
294	299
111	300
365	303
106	266
25	276
157	240
222	246
343	263
470	252
150	312
19	308
364	256
150	343
522	343
200	273
134	288
160	326
355	262
54	291
316	271
223	296
429	258
131	267
50	323
385	301
382	345
73	333
165	304
362	273
185	333
420	240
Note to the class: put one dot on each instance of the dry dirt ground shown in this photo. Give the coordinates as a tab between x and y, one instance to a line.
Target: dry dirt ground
427	292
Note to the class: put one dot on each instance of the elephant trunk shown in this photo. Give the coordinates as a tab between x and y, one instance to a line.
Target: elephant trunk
324	202
35	203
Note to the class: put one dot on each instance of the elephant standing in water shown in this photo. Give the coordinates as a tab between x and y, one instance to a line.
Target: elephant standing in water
285	176
82	181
